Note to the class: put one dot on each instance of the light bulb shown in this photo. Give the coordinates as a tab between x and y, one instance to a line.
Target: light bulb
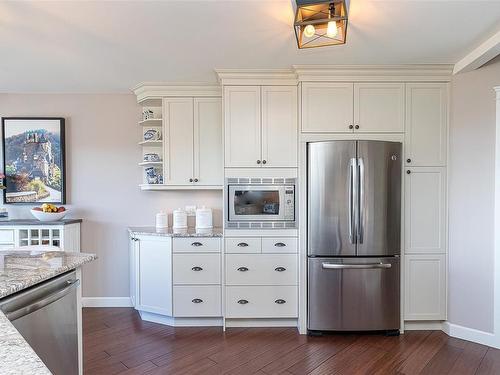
331	30
309	31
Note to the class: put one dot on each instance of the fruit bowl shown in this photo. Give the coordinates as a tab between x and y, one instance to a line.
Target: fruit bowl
49	214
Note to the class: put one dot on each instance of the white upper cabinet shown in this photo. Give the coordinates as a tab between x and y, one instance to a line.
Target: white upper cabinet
178	114
327	107
208	141
425	210
242	126
426	124
279	126
260	126
379	107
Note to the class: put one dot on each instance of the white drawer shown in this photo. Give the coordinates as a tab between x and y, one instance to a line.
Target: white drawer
196	245
243	245
7	246
261	269
7	236
196	269
279	245
197	301
261	302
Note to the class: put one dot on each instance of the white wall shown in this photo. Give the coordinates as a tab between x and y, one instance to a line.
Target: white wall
102	179
471	198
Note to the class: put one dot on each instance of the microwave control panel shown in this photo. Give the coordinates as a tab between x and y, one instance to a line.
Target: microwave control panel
289	203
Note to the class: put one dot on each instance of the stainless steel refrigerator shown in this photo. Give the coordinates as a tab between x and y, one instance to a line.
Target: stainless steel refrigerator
354	235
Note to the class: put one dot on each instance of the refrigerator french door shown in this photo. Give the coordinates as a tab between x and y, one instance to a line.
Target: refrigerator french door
354	235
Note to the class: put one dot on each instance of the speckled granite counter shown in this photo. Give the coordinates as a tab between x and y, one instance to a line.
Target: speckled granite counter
14	222
20	270
190	232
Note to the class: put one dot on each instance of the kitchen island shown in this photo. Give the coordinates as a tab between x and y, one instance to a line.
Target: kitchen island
19	271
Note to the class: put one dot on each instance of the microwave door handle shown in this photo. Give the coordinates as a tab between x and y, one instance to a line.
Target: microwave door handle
352	193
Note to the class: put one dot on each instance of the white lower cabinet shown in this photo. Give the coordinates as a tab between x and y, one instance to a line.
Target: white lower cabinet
261	269
196	269
197	301
65	237
425	287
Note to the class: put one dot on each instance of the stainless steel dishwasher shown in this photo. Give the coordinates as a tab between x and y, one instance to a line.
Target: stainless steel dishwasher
46	317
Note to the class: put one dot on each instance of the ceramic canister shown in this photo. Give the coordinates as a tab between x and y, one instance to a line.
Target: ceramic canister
161	220
204	218
179	219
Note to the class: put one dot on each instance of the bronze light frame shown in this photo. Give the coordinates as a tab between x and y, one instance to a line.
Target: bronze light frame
318	14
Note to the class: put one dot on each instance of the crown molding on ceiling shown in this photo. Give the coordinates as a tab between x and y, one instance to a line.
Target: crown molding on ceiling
156	90
285	77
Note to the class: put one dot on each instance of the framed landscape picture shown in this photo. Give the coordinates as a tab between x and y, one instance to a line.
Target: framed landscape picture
33	160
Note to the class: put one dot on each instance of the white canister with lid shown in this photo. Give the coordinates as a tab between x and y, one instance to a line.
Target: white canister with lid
179	219
161	220
204	218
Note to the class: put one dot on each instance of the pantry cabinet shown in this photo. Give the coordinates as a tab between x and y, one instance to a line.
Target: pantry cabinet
425	287
426	132
260	126
193	132
338	107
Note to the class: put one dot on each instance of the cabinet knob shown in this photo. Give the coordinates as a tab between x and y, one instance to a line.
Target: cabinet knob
242	244
195	180
279	244
258	161
190	180
408	160
356	127
196	268
350	126
243	269
242	301
280	269
408	172
197	300
264	161
197	244
280	301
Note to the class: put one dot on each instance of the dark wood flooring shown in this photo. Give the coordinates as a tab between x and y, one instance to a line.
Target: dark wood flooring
117	341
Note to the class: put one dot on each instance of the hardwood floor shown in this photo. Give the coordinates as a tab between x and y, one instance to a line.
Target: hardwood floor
117	341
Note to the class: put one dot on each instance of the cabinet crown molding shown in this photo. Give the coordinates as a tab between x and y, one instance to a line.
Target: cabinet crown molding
282	77
157	90
374	73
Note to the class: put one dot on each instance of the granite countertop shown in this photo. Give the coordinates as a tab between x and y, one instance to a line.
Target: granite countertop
20	270
13	222
169	232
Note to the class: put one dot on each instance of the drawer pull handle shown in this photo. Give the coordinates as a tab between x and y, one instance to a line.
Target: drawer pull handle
242	244
243	269
280	301
242	301
196	244
197	268
280	269
197	300
279	244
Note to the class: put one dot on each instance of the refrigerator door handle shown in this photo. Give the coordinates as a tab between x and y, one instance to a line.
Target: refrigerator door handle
337	266
360	224
352	201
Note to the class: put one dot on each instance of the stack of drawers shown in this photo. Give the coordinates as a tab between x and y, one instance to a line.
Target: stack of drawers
196	277
261	277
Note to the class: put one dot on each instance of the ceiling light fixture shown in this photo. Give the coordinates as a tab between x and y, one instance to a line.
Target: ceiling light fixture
320	23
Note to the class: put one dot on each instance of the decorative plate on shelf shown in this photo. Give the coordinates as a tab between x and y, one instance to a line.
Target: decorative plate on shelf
152	135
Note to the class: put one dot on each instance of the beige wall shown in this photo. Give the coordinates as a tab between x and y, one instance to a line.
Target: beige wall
471	197
102	179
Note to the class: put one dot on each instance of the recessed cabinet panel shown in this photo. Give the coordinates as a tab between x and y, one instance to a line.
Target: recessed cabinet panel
242	126
425	210
379	107
279	126
178	114
425	287
327	107
426	124
208	141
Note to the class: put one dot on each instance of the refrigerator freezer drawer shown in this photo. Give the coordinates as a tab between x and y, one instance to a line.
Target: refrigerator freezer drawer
353	294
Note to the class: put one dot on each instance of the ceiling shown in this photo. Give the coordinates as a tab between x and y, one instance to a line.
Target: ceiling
111	46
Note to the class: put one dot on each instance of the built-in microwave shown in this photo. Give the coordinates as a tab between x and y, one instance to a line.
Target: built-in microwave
260	202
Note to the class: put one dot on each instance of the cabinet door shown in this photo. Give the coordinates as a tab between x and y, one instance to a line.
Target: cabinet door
425	210
242	138
279	126
327	107
426	124
178	115
379	107
425	287
133	270
208	167
155	275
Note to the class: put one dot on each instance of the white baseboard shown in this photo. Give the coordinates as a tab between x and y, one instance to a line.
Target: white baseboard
261	322
106	302
416	325
470	334
180	322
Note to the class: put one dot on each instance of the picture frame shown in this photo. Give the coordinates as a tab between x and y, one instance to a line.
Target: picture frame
34	160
